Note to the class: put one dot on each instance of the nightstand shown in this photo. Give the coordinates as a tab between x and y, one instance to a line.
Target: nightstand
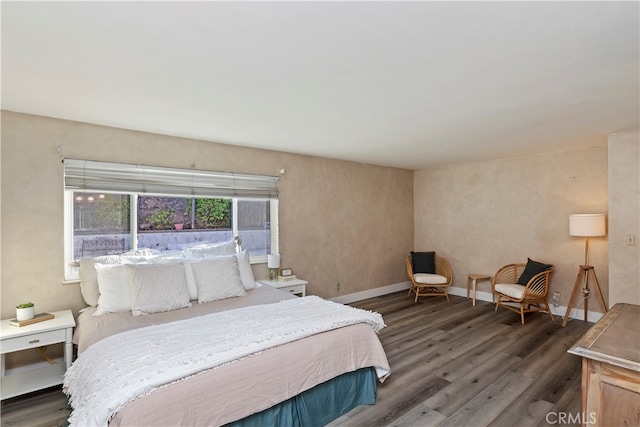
13	338
294	286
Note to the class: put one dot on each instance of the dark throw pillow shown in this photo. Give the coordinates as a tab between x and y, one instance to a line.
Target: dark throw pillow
423	262
531	269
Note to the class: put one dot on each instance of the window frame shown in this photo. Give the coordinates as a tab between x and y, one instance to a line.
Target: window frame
71	269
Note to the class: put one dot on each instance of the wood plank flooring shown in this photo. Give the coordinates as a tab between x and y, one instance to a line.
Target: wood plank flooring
452	364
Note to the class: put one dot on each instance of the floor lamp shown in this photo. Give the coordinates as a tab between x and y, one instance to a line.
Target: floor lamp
585	225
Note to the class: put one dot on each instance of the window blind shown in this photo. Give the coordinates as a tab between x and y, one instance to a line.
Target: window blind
80	175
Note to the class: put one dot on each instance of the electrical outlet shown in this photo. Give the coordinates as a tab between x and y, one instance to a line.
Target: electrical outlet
338	286
556	298
630	239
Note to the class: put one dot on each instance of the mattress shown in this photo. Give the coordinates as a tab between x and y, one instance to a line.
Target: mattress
247	386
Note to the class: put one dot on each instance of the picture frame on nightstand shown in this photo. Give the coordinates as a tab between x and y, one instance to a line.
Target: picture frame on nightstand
285	272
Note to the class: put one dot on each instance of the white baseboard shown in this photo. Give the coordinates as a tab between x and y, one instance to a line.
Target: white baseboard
371	293
576	313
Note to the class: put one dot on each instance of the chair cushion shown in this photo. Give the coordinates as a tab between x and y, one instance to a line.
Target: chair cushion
423	262
510	289
531	269
430	279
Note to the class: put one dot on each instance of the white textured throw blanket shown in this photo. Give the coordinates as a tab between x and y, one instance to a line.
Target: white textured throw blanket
122	367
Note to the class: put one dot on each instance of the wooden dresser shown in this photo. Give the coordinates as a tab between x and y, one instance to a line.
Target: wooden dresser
610	353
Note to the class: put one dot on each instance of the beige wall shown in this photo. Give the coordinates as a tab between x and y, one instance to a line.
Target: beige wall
340	222
487	214
624	217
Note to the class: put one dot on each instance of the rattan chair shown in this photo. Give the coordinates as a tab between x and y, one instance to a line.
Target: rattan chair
429	285
529	298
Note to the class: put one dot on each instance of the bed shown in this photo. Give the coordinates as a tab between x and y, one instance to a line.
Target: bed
296	376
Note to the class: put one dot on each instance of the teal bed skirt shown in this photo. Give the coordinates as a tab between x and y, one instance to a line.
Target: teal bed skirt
319	405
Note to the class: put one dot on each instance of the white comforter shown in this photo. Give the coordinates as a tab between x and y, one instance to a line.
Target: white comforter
122	367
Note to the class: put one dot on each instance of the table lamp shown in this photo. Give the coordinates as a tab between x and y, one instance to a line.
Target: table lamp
273	263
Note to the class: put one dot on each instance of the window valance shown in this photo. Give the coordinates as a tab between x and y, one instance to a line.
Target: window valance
89	175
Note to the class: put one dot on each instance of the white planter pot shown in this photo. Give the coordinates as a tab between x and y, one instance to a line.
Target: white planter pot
25	313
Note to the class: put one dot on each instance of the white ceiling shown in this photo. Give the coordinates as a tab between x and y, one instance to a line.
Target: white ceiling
406	84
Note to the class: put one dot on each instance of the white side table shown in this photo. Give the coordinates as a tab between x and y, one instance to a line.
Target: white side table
13	338
294	286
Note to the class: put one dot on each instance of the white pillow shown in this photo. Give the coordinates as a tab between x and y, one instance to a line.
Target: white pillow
246	273
167	257
215	249
145	252
132	257
157	288
114	289
89	277
217	278
191	283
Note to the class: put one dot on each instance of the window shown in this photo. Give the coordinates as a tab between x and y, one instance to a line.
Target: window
109	210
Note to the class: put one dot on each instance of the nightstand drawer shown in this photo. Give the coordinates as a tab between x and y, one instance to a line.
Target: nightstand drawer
295	289
33	341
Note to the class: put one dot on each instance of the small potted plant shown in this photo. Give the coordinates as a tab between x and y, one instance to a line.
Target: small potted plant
25	311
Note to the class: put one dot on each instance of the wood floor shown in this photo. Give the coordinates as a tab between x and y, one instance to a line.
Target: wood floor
452	364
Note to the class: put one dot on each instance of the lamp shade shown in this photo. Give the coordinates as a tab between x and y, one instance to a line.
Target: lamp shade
273	261
587	225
